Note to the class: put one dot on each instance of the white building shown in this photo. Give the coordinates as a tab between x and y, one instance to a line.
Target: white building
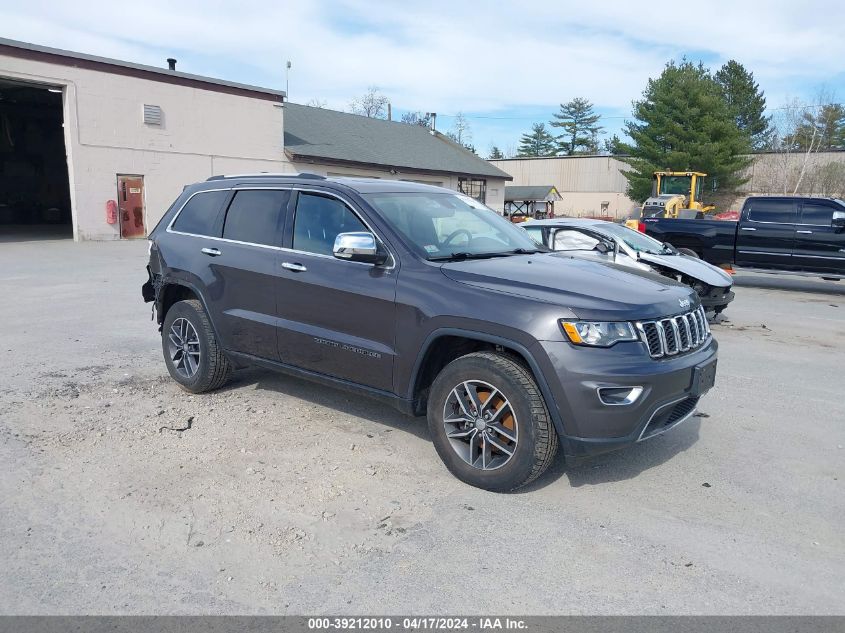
587	185
99	148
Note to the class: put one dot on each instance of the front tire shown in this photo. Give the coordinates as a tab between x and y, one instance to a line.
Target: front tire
191	351
489	422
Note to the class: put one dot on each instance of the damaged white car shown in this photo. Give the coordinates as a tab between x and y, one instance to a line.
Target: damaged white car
613	243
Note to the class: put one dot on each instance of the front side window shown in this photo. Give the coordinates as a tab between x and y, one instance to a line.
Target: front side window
253	216
780	211
441	226
572	240
474	188
319	220
535	232
199	215
816	213
639	242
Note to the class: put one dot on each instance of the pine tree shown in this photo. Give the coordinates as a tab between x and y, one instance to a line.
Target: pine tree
614	146
683	123
830	122
537	143
580	127
495	153
745	101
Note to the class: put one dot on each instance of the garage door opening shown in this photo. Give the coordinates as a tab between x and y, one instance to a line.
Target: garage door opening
34	187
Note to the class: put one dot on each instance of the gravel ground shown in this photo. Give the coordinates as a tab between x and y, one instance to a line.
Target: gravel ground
122	494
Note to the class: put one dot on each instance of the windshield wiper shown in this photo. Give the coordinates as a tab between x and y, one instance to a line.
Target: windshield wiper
527	251
464	255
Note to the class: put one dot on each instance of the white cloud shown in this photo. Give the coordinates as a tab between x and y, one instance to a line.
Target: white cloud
449	56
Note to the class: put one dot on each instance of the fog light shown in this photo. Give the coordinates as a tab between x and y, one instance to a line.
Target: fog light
616	396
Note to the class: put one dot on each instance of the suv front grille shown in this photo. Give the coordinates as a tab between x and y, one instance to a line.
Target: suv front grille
675	335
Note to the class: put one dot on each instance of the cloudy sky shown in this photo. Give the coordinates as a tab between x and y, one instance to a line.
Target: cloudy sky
504	65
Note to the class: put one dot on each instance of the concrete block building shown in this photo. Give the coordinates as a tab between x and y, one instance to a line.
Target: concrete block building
98	148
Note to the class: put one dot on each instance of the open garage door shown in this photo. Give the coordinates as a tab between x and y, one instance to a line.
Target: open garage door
34	188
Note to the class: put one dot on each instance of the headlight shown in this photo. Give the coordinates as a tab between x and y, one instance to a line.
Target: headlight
598	333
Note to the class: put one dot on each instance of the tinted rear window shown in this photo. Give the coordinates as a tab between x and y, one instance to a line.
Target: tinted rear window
782	211
816	213
254	216
199	215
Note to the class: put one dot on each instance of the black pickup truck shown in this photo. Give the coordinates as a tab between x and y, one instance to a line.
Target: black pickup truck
789	234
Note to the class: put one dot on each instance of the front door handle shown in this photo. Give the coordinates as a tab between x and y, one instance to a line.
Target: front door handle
748	228
805	232
213	252
297	268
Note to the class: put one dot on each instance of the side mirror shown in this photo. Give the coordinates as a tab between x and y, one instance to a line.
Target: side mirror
358	247
603	247
838	221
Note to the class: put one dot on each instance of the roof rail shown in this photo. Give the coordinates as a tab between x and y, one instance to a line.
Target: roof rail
267	174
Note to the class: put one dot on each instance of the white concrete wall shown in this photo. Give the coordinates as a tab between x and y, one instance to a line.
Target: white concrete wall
203	133
495	186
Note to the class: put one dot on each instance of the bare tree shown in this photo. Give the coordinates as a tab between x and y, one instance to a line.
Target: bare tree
423	119
798	131
372	104
460	132
317	103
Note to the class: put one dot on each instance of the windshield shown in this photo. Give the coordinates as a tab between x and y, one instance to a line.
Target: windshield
675	185
640	242
449	226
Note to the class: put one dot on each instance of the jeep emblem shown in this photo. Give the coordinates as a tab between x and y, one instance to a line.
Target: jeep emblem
684	303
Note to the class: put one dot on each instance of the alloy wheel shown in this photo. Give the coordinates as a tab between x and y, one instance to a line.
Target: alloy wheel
184	347
481	424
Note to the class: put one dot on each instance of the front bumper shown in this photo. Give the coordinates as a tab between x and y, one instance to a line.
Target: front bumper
716	297
671	389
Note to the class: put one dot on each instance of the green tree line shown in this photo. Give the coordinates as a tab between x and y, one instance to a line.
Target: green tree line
688	118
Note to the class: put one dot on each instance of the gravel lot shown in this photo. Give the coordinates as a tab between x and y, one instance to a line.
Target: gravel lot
122	494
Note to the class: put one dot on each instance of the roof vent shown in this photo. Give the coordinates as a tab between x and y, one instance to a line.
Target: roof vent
171	63
152	114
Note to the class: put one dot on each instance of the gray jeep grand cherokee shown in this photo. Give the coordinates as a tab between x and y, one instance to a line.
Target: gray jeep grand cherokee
427	300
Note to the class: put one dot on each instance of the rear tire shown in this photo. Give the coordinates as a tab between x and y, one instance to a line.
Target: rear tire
191	351
500	446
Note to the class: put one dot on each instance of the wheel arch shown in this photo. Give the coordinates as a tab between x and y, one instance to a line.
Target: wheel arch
429	363
174	290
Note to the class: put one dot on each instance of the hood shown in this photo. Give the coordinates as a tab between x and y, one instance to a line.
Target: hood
691	266
590	289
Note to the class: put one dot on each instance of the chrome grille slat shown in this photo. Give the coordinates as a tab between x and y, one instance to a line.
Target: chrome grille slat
697	320
661	333
675	335
694	327
683	332
671	339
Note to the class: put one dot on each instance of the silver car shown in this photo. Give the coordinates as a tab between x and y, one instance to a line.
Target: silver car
613	243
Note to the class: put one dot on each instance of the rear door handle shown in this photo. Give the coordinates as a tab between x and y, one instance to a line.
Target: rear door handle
805	232
297	268
213	252
748	228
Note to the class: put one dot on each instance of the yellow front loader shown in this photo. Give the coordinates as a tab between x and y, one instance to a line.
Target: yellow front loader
672	191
